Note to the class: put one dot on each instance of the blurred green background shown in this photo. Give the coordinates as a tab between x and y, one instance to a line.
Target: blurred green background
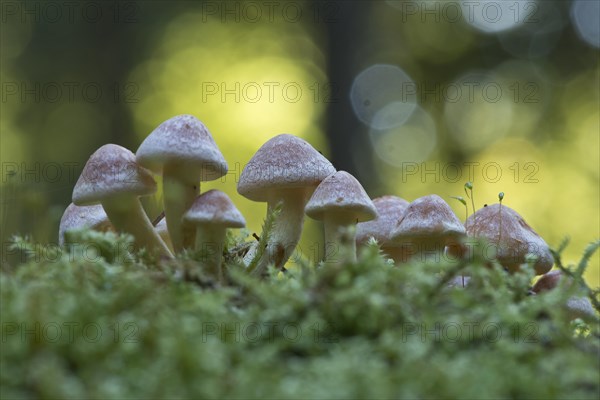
412	97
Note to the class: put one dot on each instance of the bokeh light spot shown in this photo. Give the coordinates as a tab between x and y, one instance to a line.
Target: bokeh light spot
586	18
384	88
496	16
411	142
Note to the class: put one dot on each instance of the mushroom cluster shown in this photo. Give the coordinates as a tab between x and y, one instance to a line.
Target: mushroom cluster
293	179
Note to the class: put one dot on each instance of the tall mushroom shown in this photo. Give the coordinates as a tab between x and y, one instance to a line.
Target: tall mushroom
112	178
511	236
340	201
427	227
390	209
212	213
76	217
185	153
286	170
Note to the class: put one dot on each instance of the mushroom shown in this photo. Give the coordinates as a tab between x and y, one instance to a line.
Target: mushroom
576	306
285	170
547	281
511	237
427	227
390	210
76	217
212	213
185	153
112	178
340	201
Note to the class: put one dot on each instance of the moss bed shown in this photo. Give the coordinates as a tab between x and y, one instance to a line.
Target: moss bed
96	322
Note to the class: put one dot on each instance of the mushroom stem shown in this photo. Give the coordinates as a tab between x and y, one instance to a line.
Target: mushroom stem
210	241
333	239
128	215
287	228
178	196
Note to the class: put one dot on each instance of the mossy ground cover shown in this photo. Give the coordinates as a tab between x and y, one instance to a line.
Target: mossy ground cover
102	323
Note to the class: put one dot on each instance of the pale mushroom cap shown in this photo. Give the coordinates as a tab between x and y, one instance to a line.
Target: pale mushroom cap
76	217
580	307
214	207
183	140
283	162
112	172
390	210
513	237
428	216
341	194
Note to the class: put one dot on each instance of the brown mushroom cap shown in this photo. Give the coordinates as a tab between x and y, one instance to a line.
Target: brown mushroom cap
390	210
283	162
183	140
513	237
214	207
341	194
428	216
76	217
547	281
112	172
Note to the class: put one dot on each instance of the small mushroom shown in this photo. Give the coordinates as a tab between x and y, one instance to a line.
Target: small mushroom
576	306
547	281
340	201
427	227
511	237
285	170
212	213
75	217
185	153
112	178
390	210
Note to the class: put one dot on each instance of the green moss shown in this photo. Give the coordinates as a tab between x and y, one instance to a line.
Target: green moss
100	323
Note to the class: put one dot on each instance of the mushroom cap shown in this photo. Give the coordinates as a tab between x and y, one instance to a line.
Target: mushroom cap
112	172
389	211
214	207
513	237
547	281
580	307
185	141
283	162
76	217
428	216
343	195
